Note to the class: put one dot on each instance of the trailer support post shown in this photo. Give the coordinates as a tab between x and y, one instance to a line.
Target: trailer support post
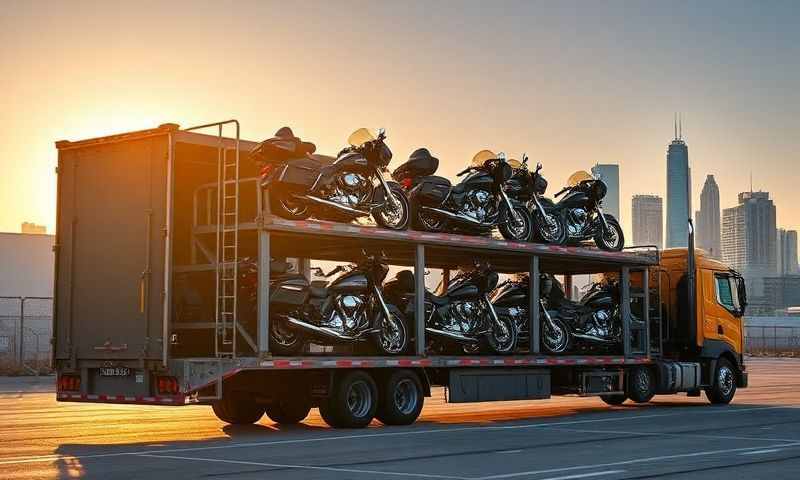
625	282
419	299
533	306
646	309
568	286
263	292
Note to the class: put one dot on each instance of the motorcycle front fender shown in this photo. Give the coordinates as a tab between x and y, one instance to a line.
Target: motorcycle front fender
379	194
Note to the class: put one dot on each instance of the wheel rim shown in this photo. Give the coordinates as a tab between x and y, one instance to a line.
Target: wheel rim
393	216
519	226
283	335
406	397
502	336
555	339
359	399
725	379
392	335
552	230
610	237
642	381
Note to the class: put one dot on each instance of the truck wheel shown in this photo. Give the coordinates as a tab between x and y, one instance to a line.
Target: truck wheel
401	399
724	387
288	412
641	384
237	409
615	399
352	403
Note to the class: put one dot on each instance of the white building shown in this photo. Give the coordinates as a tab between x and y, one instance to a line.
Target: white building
26	265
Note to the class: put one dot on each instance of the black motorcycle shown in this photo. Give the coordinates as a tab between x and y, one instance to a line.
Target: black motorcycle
527	188
476	205
463	316
582	210
351	185
349	309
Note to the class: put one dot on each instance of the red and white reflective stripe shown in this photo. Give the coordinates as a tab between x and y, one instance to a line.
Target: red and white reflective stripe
78	397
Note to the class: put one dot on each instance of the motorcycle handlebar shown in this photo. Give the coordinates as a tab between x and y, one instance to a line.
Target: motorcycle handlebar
465	171
563	190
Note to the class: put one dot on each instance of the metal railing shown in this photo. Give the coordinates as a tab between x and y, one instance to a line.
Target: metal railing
26	329
772	340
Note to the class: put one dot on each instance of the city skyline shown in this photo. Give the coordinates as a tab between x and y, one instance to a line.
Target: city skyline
709	223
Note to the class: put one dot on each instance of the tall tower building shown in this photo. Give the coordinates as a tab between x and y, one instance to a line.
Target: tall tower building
609	174
707	218
678	191
787	252
648	220
749	239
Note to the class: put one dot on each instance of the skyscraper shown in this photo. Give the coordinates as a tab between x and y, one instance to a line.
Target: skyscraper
648	220
749	239
609	174
707	218
787	252
678	191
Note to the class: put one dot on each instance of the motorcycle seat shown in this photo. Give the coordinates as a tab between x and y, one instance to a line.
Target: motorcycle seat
318	289
437	300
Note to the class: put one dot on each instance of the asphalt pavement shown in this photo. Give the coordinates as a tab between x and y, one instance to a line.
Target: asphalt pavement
674	437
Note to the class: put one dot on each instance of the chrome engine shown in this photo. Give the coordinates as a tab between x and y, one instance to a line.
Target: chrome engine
478	205
462	317
351	189
576	220
349	313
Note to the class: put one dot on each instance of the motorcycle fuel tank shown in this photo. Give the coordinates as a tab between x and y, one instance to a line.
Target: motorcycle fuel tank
463	290
574	200
512	296
476	181
352	282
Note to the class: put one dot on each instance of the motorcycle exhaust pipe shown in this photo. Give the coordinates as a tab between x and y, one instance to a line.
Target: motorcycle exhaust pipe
458	218
341	208
592	338
324	331
451	335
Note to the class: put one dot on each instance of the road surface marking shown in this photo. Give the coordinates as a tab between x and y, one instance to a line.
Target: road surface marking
577	475
306	467
760	452
680	412
642	460
677	434
509	451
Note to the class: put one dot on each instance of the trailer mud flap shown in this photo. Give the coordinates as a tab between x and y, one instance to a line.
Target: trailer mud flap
488	385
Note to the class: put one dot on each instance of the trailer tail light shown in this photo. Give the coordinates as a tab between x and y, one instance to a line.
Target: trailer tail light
69	383
265	171
406	183
167	385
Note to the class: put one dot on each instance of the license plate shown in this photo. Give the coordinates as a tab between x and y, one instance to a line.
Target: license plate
115	371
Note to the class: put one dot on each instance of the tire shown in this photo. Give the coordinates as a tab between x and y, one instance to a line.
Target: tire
237	409
393	338
550	228
288	412
724	387
518	233
613	242
396	219
641	384
284	208
506	343
283	340
352	403
401	399
615	399
557	341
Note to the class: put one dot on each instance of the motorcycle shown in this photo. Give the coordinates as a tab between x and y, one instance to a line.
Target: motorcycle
349	309
342	188
582	210
527	188
476	205
463	315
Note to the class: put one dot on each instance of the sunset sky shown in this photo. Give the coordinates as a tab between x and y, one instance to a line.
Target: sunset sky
571	84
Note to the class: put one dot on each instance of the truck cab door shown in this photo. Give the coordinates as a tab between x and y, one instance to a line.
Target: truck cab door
722	316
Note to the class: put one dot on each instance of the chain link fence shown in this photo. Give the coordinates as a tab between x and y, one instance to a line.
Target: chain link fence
26	327
772	340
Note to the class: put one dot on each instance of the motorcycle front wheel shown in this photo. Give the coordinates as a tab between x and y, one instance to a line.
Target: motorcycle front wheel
611	239
394	217
555	340
518	226
393	336
502	338
550	227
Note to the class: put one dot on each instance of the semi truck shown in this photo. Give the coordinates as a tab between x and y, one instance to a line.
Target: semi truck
153	227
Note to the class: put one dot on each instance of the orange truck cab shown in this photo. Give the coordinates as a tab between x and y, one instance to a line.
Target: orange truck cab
709	328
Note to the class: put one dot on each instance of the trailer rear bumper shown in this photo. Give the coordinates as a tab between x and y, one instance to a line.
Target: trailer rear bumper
174	400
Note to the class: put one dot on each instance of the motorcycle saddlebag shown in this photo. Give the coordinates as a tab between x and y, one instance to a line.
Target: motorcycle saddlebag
420	163
299	174
289	289
431	191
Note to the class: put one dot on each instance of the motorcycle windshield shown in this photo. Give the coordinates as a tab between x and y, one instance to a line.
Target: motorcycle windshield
515	164
482	157
361	136
578	177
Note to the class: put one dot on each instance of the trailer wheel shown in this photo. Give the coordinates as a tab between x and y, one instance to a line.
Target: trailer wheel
288	412
237	409
724	386
641	384
352	403
401	399
615	399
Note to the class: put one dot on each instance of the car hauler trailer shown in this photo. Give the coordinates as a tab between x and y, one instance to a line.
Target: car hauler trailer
143	214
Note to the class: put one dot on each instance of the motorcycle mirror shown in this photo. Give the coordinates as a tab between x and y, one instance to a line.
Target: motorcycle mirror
318	271
381	133
538	165
525	158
